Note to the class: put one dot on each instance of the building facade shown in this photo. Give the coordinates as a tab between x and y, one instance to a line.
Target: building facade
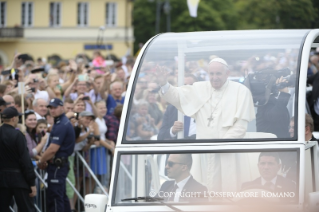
64	27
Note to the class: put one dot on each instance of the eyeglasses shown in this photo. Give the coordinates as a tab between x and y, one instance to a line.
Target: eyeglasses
171	164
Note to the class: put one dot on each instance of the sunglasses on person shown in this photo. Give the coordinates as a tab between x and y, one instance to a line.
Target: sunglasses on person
171	164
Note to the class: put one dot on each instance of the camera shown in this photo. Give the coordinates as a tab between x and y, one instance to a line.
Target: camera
32	89
263	83
59	161
76	115
97	137
86	98
90	136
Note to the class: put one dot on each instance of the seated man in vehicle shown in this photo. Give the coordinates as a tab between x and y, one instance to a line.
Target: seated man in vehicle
184	188
269	166
221	108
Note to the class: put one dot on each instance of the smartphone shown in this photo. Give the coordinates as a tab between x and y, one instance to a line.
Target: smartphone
86	98
76	116
42	133
83	77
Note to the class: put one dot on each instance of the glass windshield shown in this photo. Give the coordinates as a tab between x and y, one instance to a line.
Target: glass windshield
246	177
216	85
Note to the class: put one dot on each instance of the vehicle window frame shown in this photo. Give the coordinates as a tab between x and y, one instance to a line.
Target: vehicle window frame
124	141
138	152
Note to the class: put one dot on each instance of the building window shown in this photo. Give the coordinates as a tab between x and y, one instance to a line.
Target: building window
55	13
83	13
27	14
2	14
111	14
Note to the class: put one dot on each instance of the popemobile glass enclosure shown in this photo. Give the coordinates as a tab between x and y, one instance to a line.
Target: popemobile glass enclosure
215	121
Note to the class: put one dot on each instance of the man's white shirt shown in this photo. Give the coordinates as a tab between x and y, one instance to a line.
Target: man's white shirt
179	190
38	116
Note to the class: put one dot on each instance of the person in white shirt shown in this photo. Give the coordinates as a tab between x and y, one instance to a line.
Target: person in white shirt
40	108
183	187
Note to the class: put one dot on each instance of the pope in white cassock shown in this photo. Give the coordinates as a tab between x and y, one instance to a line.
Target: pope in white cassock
221	108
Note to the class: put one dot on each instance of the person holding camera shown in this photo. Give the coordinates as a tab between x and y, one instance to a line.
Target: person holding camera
86	131
274	116
59	148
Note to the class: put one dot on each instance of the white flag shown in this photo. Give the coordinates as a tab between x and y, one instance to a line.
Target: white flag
192	7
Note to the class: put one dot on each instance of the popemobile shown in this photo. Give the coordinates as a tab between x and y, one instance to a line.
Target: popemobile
223	125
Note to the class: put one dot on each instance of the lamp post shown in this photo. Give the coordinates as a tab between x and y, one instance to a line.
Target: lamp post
167	10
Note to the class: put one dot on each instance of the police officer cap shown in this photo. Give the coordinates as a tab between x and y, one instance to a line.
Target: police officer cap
10	112
87	113
55	102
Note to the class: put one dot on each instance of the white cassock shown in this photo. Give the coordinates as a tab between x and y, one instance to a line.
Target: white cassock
231	108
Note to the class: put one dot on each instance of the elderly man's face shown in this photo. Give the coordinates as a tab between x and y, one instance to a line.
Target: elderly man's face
217	74
41	107
268	167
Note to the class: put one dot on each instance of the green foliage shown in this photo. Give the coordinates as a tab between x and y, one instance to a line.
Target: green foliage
225	15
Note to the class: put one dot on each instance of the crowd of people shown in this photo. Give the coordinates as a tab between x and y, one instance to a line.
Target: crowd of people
91	93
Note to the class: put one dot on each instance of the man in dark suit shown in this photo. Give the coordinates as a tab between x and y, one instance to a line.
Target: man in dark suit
312	99
170	126
268	166
184	188
17	177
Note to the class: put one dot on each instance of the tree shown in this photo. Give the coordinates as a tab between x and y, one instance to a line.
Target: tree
273	14
212	15
225	15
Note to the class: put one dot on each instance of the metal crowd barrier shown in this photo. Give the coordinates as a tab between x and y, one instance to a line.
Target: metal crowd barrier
84	176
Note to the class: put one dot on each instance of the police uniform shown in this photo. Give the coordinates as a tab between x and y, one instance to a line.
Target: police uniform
63	135
16	169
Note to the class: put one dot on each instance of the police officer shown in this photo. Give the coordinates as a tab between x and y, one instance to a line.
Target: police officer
17	177
59	148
